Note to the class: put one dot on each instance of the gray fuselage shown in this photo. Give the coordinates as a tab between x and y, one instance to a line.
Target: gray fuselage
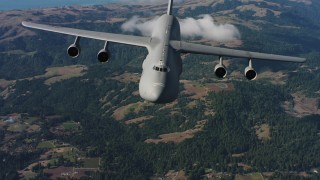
162	67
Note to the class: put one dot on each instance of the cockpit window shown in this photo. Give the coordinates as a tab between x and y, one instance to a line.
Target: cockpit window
161	68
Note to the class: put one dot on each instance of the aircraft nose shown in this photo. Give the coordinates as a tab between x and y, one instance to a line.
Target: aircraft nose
154	92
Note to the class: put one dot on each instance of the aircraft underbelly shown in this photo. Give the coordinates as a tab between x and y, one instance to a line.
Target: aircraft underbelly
160	87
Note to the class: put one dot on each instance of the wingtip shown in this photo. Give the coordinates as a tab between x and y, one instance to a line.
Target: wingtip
299	60
303	60
24	23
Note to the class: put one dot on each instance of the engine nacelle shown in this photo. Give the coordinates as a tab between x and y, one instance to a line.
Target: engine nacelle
220	71
74	50
250	73
103	56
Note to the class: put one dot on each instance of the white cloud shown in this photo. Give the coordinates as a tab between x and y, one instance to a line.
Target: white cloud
141	25
203	28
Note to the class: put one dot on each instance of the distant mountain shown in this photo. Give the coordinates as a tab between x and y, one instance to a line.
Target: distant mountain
79	118
272	20
6	5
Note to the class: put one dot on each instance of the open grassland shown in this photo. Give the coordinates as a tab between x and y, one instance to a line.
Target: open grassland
192	104
5	89
46	145
33	128
258	11
19	52
56	74
91	163
121	112
31	120
15	123
276	78
29	175
17	127
178	137
196	90
2	123
177	175
302	106
52	75
251	176
307	2
5	83
27	172
263	132
127	77
244	166
238	155
139	120
68	153
70	125
69	173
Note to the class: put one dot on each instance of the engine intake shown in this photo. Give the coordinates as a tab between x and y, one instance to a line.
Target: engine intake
74	50
250	73
220	71
103	56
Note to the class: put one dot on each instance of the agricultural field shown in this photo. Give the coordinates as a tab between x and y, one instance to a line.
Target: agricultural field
70	125
46	145
91	163
251	176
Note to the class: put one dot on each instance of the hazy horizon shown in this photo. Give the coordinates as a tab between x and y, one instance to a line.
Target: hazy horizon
34	4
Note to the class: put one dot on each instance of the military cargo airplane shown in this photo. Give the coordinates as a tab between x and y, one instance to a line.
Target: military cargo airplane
159	82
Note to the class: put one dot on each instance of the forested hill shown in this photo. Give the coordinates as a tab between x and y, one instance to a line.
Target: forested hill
80	118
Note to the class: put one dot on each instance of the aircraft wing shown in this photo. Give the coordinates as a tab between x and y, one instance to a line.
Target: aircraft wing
186	47
124	39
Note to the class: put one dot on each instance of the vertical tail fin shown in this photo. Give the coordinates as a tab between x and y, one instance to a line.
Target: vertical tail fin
170	3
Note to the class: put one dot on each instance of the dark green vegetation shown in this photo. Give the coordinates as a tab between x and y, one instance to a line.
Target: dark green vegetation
293	145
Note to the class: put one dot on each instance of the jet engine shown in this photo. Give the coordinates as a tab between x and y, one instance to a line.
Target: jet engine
249	72
74	49
104	55
220	70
